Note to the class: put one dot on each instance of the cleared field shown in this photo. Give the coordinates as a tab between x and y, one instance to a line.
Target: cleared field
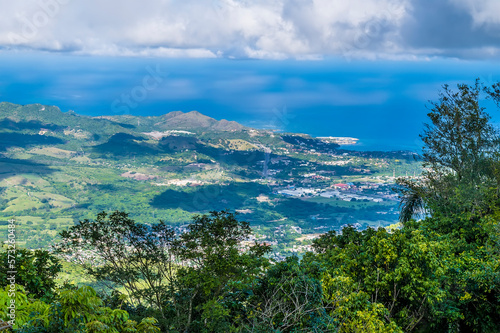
239	144
52	152
22	198
32	180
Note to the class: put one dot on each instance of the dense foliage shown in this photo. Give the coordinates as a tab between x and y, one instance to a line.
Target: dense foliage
37	274
461	158
173	276
79	310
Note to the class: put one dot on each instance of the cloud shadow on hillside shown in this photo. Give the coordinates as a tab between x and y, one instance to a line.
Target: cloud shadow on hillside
11	167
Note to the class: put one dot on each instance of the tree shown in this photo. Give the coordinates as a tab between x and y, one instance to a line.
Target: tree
36	271
215	265
460	137
460	155
79	310
118	252
493	92
288	299
459	192
195	281
396	271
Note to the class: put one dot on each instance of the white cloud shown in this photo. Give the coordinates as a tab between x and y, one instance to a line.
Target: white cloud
272	29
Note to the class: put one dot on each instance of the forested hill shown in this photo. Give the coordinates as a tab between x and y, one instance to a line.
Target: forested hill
51	116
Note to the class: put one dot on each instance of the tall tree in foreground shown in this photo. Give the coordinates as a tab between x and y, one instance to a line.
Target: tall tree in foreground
192	282
459	190
37	275
460	156
118	252
217	272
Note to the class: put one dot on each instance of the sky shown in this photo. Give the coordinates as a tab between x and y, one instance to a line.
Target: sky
363	68
261	29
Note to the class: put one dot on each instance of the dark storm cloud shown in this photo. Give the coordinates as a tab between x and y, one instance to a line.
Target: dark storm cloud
446	27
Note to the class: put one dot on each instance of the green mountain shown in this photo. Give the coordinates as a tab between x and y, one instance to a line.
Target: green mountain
178	120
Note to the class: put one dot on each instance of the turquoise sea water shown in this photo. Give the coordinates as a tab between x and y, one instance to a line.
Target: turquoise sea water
380	102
